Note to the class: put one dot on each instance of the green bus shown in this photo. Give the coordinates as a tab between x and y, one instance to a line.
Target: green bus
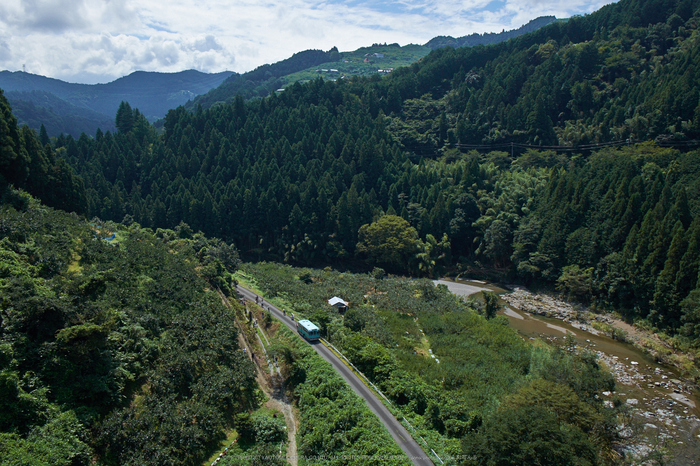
308	330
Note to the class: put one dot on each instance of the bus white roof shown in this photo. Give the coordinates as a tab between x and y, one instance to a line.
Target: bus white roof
308	325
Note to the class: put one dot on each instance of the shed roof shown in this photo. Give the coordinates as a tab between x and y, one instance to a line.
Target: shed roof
334	301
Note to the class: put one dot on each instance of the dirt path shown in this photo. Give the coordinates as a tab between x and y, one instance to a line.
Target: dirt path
271	382
285	408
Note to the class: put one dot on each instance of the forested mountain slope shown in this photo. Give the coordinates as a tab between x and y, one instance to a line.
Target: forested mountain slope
295	176
626	71
37	108
365	61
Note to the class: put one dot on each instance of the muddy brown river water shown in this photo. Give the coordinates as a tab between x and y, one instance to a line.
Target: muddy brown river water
665	408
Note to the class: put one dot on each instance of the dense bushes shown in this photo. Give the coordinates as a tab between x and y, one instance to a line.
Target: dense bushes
113	350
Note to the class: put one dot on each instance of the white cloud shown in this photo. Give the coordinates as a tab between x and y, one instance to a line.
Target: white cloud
85	41
205	44
5	53
54	16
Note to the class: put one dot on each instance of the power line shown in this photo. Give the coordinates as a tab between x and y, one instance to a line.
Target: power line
519	145
511	146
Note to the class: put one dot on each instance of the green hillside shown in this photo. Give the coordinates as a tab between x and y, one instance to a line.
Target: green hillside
309	65
107	349
379	59
37	108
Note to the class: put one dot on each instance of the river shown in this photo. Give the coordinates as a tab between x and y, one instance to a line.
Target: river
665	408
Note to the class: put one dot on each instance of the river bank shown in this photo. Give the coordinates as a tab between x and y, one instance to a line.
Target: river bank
607	324
664	407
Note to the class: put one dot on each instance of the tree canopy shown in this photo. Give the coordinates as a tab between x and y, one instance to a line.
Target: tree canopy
390	242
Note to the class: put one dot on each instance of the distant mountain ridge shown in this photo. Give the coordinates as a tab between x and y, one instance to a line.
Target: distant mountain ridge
302	66
152	93
488	38
70	108
36	108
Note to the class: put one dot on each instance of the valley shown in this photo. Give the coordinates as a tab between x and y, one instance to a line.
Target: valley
126	253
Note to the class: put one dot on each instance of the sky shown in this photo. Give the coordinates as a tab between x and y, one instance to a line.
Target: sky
97	41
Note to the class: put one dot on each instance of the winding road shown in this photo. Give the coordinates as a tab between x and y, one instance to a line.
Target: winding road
395	428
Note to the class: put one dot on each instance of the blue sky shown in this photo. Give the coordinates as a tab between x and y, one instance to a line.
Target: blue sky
92	41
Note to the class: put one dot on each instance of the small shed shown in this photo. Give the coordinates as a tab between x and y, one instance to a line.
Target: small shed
338	303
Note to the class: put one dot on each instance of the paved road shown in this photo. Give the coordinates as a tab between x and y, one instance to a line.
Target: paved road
461	289
397	431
